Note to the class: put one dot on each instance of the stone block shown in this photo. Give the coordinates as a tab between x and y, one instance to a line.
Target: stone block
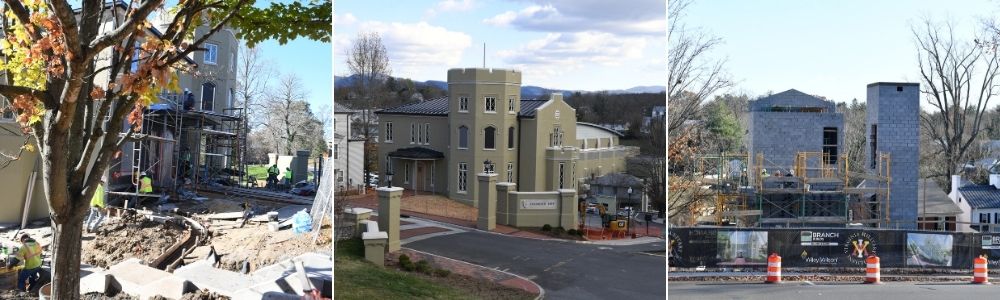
204	276
172	287
132	275
375	247
99	282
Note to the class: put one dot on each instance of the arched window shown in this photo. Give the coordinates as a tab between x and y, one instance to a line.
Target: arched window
208	96
463	137
490	138
510	138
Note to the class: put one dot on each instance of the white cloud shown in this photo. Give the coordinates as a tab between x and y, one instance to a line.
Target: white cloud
417	45
558	53
646	17
345	19
448	6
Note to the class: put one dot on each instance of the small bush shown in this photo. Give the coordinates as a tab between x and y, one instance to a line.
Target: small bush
571	232
559	230
424	267
546	227
579	232
441	273
406	263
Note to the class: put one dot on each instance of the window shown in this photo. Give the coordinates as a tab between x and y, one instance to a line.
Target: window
510	172
830	145
335	151
572	175
562	168
463	137
208	96
491	104
8	110
510	138
211	53
490	138
510	104
984	218
996	218
135	58
463	104
557	114
413	134
555	138
463	175
874	144
388	132
406	173
427	133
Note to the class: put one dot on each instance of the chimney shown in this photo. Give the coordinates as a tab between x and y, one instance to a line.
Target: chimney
955	181
995	180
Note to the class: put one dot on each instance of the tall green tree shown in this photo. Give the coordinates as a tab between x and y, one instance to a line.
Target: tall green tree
723	127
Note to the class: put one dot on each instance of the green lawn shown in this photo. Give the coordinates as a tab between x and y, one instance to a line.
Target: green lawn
356	278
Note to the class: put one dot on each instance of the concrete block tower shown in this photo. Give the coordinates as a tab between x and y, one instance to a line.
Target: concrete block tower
482	113
893	127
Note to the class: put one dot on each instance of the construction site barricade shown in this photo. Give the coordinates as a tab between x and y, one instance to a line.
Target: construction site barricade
773	269
980	271
872	270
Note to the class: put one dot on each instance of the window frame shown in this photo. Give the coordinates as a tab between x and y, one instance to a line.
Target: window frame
463	104
211	51
510	138
427	133
490	104
510	172
406	173
413	134
212	98
388	132
463	178
510	104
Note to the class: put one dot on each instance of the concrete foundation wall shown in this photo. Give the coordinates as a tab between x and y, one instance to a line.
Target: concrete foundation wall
512	210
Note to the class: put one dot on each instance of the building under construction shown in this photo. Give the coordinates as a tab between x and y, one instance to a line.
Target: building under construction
796	172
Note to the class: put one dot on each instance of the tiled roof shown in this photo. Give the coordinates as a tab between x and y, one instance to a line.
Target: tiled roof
528	107
433	107
439	107
417	153
981	196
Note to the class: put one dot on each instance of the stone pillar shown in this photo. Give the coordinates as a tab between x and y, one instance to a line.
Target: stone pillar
568	208
375	244
487	201
388	214
356	216
300	166
503	202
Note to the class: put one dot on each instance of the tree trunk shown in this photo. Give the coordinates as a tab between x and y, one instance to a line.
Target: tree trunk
66	248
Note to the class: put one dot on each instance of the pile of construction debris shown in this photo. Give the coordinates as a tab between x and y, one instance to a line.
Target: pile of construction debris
130	236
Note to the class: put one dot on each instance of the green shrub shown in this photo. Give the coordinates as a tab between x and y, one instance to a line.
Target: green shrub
571	232
424	267
546	227
559	230
579	232
406	263
441	273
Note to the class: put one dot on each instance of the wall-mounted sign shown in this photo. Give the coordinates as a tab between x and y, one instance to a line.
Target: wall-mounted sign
538	204
991	241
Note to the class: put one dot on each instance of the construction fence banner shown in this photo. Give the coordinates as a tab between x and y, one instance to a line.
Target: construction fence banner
828	247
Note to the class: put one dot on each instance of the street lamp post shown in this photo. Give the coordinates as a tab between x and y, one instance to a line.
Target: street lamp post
628	213
388	178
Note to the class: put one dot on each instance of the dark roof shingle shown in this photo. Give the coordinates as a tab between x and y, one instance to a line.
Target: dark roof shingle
981	196
416	153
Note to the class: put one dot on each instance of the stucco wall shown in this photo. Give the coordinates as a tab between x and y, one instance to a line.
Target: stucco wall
16	176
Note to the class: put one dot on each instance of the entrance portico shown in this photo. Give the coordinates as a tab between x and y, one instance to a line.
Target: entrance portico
415	167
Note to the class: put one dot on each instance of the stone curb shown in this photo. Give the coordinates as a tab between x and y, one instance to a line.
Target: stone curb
541	291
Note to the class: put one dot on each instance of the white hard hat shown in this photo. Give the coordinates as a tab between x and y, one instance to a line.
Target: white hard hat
142	174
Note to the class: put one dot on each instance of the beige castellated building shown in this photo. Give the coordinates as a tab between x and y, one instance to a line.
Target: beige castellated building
441	144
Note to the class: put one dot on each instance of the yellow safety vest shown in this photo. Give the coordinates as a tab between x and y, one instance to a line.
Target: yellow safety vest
98	199
146	186
31	254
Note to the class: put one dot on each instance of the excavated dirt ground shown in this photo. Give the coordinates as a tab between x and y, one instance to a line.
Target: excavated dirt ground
197	295
131	236
263	247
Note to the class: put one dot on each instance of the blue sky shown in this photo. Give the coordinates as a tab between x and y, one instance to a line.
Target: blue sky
307	59
563	44
826	48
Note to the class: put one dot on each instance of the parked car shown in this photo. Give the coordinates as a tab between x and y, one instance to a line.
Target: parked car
304	188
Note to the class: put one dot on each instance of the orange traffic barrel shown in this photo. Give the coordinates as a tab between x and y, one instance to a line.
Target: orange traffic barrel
773	269
980	275
872	273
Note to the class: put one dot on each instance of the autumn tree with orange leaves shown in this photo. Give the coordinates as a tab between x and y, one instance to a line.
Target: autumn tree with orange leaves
66	69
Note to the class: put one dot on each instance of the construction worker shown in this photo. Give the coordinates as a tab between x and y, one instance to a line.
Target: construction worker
602	209
288	176
272	175
96	208
145	183
30	254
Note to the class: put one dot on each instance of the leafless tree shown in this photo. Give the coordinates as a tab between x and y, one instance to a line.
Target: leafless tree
290	121
691	77
253	76
957	76
368	61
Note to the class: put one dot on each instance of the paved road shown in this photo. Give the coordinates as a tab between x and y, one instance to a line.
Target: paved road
565	270
833	290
